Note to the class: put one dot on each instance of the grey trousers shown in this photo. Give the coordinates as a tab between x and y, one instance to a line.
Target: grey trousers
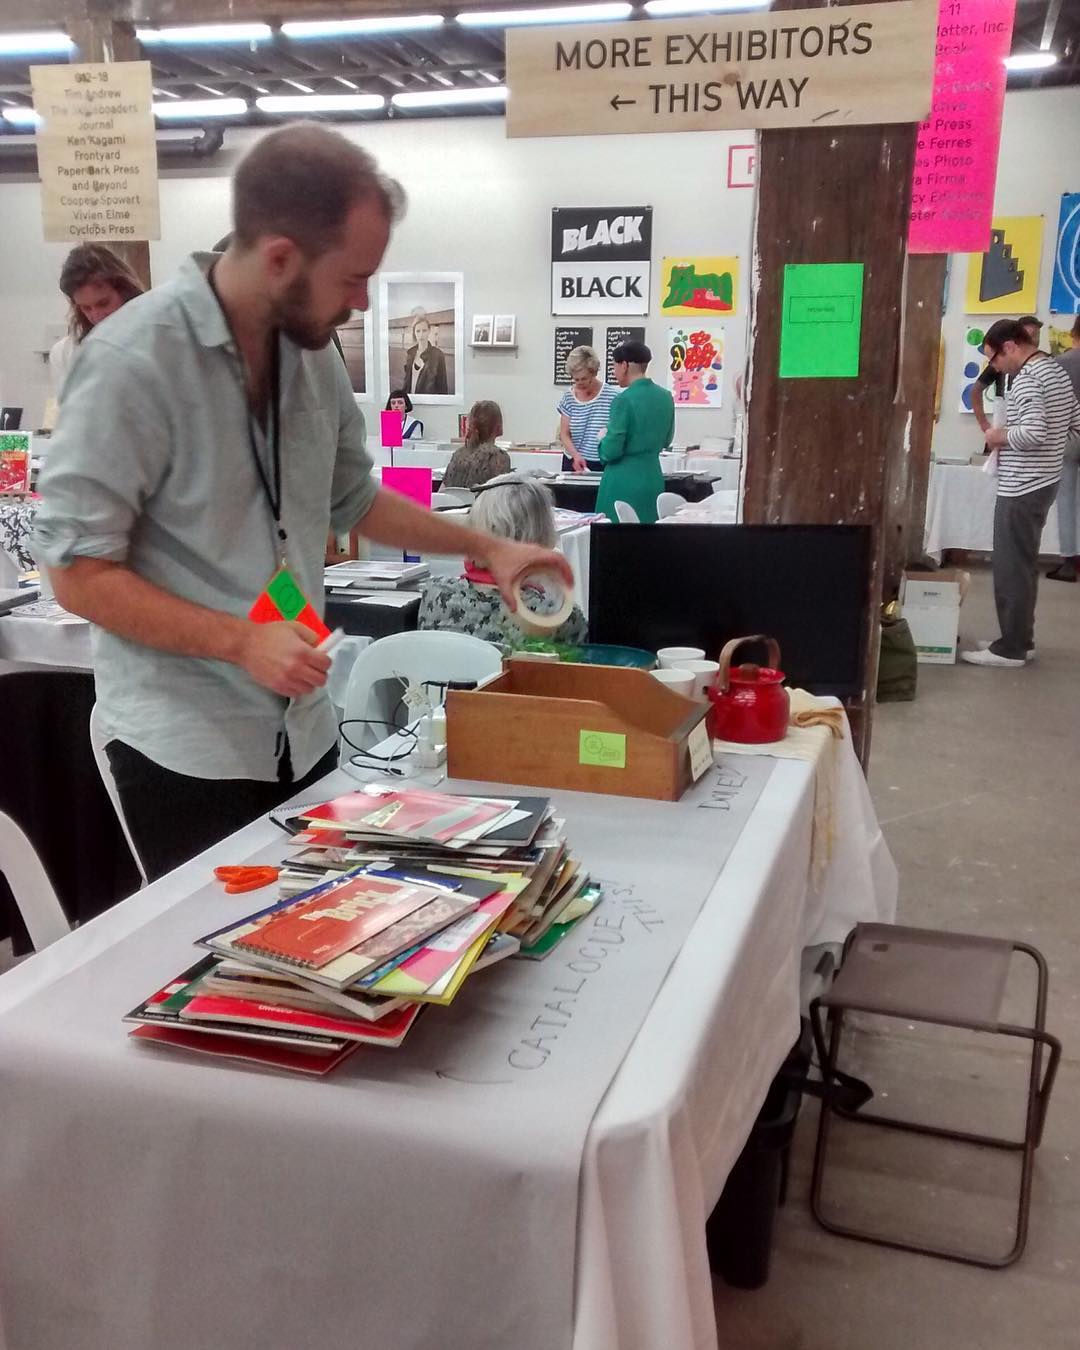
1018	527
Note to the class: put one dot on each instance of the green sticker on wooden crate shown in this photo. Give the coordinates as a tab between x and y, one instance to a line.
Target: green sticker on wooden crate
607	749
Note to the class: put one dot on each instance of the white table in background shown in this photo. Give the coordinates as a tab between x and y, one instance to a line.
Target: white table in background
960	512
657	1153
26	642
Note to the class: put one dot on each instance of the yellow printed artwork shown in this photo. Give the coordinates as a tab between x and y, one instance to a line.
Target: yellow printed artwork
1005	279
699	286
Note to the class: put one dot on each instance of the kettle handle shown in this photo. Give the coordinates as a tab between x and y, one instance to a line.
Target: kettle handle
723	674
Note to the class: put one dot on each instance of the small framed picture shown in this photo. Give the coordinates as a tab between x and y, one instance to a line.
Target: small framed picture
505	330
481	330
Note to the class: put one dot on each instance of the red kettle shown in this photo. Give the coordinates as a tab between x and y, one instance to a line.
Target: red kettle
749	703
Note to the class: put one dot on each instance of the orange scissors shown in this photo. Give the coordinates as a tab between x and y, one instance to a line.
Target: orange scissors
239	879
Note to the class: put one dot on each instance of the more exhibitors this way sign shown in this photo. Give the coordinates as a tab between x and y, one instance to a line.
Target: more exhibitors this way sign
96	153
835	66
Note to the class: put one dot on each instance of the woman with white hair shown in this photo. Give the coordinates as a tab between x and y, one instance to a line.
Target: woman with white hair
583	411
512	507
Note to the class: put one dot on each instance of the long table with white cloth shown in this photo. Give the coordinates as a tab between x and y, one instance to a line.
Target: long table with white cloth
480	1186
960	512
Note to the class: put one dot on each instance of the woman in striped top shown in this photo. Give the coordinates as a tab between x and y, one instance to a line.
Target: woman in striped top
583	411
1043	416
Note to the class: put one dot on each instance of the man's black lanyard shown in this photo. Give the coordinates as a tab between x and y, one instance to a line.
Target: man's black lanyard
271	484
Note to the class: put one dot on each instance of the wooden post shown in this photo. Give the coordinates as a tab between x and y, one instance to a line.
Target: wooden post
819	450
919	370
109	40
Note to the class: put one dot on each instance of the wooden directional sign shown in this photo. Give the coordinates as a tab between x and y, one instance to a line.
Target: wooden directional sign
835	66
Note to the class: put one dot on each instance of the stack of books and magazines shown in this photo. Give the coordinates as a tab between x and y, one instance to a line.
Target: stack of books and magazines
367	576
389	902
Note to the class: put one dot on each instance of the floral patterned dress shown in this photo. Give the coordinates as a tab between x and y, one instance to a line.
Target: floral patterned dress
457	605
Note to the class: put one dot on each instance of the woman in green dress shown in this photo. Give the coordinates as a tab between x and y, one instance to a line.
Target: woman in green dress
641	424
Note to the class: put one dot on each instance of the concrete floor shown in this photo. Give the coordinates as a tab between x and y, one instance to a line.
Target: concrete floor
975	784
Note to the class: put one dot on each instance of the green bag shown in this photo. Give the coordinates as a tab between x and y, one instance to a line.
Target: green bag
898	666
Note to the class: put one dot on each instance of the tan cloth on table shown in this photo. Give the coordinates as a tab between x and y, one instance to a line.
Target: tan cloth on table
816	728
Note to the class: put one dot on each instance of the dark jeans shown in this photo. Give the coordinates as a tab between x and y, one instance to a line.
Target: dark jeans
1018	527
172	817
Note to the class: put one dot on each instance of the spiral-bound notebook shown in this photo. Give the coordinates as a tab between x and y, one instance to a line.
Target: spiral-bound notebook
351	910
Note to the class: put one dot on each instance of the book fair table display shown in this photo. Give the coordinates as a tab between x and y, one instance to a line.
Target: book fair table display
477	1060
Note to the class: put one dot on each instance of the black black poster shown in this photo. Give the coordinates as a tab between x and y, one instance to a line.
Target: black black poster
566	339
615	336
608	233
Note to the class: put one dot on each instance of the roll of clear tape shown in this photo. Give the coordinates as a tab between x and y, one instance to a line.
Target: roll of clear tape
544	602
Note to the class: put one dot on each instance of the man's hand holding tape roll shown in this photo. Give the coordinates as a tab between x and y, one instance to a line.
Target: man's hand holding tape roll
509	562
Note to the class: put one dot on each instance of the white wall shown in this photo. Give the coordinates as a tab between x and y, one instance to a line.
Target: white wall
479	204
1039	160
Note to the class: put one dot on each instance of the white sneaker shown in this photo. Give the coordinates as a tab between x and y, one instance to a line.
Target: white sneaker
984	646
985	657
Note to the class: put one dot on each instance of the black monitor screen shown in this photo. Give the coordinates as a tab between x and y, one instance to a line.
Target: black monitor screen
659	586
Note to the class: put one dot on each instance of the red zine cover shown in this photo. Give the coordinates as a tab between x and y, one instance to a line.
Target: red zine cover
389	1030
411	813
357	909
236	1047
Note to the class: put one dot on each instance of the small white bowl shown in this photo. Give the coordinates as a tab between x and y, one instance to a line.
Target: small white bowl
704	673
670	657
678	681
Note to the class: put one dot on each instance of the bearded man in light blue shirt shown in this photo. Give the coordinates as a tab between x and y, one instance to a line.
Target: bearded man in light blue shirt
208	435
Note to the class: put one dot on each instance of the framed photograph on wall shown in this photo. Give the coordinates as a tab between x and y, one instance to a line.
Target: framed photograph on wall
481	330
355	339
505	331
421	335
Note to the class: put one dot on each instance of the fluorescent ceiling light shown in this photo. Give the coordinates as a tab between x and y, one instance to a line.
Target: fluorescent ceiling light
165	93
332	28
661	8
508	18
301	103
192	34
22	117
1031	61
446	98
49	43
299	84
202	107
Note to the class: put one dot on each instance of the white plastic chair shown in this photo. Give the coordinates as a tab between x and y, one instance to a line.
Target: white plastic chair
30	885
626	514
667	503
97	744
382	672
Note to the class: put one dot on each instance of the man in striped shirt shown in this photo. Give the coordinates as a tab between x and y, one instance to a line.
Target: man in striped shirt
1043	416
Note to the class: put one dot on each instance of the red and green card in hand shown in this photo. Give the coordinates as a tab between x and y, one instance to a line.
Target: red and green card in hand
284	600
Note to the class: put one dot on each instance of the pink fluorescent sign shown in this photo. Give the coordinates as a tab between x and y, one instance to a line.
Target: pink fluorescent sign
952	197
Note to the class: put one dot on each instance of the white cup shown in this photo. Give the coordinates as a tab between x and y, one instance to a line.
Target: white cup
671	657
704	673
678	681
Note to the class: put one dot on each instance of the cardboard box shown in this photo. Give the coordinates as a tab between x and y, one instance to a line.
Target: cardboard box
586	728
930	602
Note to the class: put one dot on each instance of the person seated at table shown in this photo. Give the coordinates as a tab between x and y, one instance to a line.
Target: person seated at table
96	283
511	507
399	401
479	459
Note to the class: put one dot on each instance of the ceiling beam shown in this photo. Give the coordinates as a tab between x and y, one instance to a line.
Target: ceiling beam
43	13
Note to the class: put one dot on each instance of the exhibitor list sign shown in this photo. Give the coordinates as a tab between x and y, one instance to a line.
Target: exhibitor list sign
956	153
600	259
96	152
834	66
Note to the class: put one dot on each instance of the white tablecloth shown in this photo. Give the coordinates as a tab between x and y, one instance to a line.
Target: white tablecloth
657	1152
960	512
36	642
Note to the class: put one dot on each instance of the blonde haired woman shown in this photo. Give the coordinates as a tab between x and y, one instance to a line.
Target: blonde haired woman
583	411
